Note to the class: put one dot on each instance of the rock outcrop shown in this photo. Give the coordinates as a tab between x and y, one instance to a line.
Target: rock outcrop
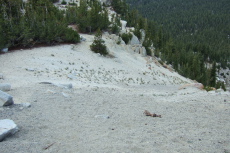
5	99
7	127
134	40
5	86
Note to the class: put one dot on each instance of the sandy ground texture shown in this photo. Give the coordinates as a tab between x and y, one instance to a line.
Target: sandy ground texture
103	112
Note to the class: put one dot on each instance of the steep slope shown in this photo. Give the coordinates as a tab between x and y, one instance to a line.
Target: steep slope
78	65
103	110
199	23
85	102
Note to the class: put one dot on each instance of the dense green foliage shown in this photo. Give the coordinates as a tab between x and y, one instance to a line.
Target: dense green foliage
26	24
53	1
198	25
88	20
126	37
187	38
98	45
187	34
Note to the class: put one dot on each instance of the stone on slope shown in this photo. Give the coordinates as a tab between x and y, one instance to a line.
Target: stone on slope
26	105
123	25
1	76
134	40
143	51
7	127
5	99
4	50
67	86
5	86
142	35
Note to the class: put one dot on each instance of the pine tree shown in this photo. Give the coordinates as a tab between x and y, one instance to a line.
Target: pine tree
213	75
98	45
82	16
223	86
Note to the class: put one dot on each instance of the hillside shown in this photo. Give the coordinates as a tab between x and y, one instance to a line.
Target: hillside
204	25
67	98
79	64
84	102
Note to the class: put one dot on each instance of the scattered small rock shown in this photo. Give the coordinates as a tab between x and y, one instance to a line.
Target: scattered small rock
70	76
102	116
82	38
50	91
5	86
67	86
7	127
5	99
30	69
25	105
65	95
45	83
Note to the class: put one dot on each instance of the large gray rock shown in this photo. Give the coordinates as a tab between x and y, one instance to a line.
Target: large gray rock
4	50
5	99
1	76
134	40
5	86
7	127
143	51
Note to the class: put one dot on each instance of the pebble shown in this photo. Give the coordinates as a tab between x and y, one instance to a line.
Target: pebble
102	116
27	105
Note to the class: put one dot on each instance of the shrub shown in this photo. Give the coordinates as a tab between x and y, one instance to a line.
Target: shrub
72	3
63	2
223	86
54	1
161	62
71	36
126	37
207	88
115	29
137	33
218	84
98	45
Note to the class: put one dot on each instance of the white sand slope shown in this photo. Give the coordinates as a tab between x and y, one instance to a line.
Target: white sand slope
104	110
